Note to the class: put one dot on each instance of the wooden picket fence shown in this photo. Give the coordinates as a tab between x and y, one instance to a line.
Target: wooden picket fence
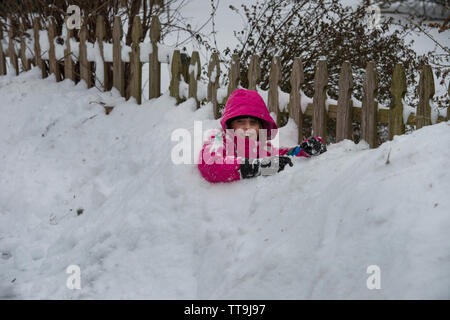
188	70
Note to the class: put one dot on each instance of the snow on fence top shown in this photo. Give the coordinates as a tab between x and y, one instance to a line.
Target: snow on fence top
103	64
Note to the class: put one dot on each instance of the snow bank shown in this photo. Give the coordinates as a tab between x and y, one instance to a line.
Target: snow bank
151	229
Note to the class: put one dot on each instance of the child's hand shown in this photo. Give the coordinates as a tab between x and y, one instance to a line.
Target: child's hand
249	168
272	165
313	146
266	166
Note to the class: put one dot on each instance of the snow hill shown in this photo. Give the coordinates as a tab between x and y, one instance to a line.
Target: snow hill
78	187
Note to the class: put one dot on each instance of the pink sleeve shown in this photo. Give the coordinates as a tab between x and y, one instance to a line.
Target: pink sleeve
214	167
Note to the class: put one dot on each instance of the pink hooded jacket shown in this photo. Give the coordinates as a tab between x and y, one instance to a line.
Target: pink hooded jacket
216	162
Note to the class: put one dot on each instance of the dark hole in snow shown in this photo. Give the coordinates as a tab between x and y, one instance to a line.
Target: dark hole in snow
108	109
6	255
80	211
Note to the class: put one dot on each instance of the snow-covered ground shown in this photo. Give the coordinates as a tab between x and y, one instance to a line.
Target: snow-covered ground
150	229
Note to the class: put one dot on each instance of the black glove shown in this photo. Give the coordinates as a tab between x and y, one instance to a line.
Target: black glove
249	168
265	166
313	146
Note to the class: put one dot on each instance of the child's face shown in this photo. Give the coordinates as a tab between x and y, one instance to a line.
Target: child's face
249	127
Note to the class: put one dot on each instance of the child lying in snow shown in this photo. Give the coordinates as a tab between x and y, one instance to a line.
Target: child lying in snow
244	116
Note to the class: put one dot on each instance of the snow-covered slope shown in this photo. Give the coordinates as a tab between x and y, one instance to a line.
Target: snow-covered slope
151	229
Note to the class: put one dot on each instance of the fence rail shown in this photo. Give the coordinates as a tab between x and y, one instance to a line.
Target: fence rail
108	65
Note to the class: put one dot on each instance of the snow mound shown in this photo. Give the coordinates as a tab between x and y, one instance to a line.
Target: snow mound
79	187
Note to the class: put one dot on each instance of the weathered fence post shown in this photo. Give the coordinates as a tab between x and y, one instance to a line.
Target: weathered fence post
85	65
398	91
12	51
26	65
118	65
69	67
344	127
448	108
2	54
38	61
54	68
100	32
23	55
154	65
295	108
175	76
234	74
135	87
274	80
370	106
254	72
157	2
194	76
213	82
426	92
320	116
